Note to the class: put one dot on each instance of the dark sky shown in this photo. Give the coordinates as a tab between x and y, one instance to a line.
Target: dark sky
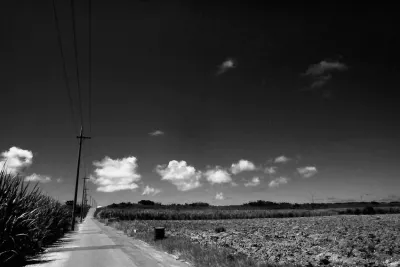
315	83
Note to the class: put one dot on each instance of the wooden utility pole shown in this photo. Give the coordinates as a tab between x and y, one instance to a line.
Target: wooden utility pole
85	203
83	197
312	199
81	137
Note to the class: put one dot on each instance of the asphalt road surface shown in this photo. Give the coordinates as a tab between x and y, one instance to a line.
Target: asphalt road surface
97	245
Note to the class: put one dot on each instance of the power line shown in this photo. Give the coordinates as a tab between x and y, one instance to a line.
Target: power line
90	66
76	59
65	74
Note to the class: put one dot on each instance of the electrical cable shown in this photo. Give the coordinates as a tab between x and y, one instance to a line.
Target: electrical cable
64	65
90	66
76	58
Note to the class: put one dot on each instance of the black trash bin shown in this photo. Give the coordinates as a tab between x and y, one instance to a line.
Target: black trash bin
159	233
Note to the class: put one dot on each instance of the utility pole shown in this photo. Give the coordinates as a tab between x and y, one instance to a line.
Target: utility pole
312	199
85	200
83	196
81	137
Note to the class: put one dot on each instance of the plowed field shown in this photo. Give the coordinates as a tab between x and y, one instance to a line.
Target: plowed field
348	240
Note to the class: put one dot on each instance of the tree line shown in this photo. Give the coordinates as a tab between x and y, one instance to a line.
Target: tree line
259	204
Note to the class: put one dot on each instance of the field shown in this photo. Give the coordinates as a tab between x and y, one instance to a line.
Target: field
29	220
215	214
345	240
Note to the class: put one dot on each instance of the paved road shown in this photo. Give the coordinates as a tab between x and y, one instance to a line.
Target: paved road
96	245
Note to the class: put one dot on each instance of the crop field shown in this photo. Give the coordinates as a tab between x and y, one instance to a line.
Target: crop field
345	240
29	220
215	214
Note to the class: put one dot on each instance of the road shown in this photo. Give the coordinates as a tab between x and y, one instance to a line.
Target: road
97	245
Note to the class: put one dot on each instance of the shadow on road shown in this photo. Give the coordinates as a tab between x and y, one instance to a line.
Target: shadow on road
57	245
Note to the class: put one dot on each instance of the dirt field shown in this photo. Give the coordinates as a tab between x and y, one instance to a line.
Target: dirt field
347	240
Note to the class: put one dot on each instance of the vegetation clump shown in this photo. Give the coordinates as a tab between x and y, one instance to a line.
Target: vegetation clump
220	229
29	220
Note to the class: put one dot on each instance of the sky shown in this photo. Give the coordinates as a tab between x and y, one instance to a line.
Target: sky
192	101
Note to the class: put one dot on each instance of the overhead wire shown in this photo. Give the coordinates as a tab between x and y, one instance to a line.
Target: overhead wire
90	72
90	65
78	80
76	59
64	66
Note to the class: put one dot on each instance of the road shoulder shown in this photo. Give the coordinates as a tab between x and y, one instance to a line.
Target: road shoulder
141	253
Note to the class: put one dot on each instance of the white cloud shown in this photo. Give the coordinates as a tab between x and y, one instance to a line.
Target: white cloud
16	160
234	184
281	159
321	72
156	133
218	176
226	65
254	182
270	170
219	196
116	174
183	176
150	191
37	178
278	181
321	81
242	165
325	66
307	172
60	180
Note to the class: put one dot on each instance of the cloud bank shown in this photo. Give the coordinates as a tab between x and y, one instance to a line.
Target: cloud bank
321	72
281	159
219	196
278	181
307	172
254	182
183	176
228	64
325	66
150	191
270	170
16	160
242	165
156	133
116	174
37	178
218	176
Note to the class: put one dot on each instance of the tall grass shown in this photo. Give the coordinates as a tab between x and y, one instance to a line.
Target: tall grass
29	219
212	214
209	214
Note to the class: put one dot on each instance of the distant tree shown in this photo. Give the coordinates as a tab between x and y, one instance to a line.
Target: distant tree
146	202
261	203
199	204
69	202
296	206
